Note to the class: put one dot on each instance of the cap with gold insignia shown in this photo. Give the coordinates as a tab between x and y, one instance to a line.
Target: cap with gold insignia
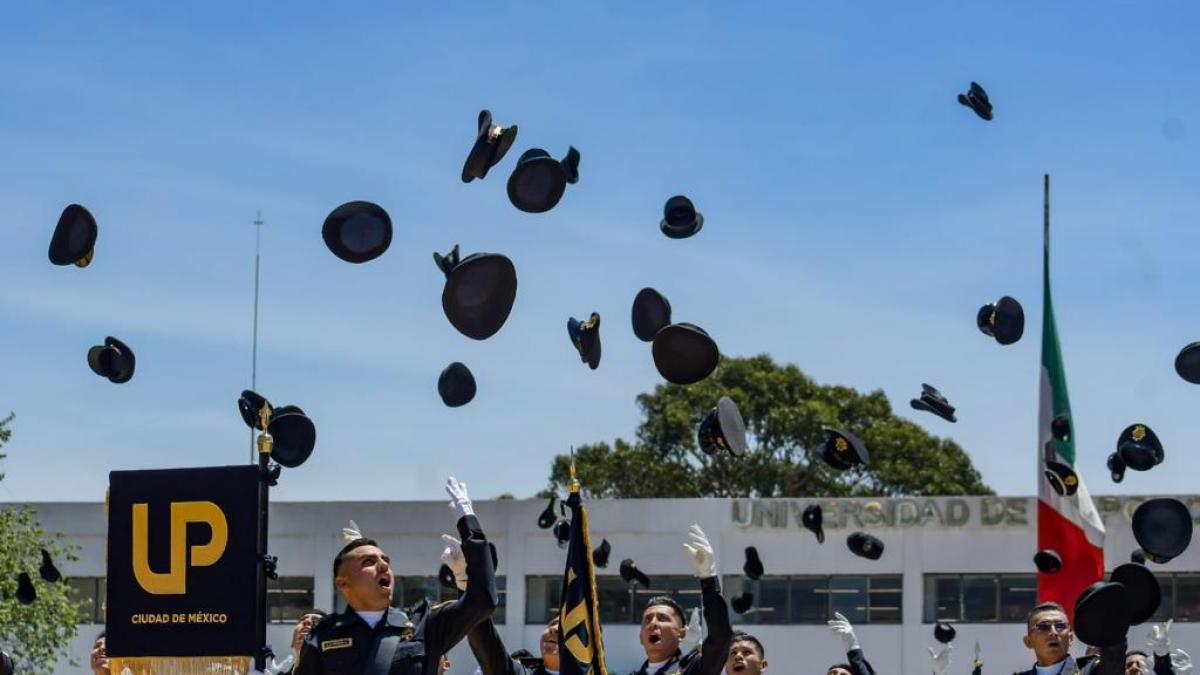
1139	447
74	239
585	335
492	141
722	430
843	450
1003	320
1062	477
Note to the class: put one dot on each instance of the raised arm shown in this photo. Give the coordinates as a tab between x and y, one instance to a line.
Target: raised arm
714	651
450	623
841	627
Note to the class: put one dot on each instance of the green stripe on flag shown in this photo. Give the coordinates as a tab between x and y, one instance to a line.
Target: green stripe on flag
1052	362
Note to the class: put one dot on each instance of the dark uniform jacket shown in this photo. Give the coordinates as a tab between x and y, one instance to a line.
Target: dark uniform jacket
343	644
492	657
1162	665
1110	662
858	662
714	652
6	664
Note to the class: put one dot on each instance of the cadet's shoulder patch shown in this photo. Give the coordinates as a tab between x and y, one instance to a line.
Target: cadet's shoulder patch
442	604
341	643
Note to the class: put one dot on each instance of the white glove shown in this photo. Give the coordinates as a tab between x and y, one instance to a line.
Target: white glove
702	553
459	501
941	660
351	533
695	632
1181	663
1160	639
978	660
276	667
840	625
452	555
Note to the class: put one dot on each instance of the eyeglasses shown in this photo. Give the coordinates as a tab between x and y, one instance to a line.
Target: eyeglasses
1058	626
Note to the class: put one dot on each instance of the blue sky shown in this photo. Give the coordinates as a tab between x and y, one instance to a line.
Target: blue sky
856	218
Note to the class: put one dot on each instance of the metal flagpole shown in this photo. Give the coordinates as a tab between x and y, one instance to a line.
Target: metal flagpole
258	223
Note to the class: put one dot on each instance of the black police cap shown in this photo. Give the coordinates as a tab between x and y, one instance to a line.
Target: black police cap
1139	447
1047	561
294	436
944	632
1102	614
1138	556
1003	320
562	533
865	545
1116	467
74	238
114	360
934	401
547	517
446	577
753	567
47	570
1062	478
813	519
357	231
1060	428
249	405
538	181
479	291
722	430
1144	592
680	218
651	311
1187	363
742	603
684	353
977	99
630	573
456	385
26	593
600	553
843	450
1163	528
585	336
492	141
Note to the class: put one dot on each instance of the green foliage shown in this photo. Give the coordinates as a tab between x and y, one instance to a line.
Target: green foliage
5	434
785	414
36	635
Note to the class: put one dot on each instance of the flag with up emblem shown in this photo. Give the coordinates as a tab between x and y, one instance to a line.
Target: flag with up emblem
581	647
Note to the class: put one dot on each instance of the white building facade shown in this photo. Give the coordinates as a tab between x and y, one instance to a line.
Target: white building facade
961	559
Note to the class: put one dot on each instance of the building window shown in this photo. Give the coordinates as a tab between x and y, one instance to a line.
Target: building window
410	590
89	593
979	598
288	598
620	603
815	599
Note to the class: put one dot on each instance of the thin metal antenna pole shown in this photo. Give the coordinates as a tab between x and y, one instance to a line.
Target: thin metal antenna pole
258	223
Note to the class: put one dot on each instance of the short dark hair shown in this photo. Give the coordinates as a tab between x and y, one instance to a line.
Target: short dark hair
350	546
844	666
741	636
1136	652
1043	607
669	602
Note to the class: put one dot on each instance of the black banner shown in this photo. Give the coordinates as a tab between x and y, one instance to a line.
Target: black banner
581	650
182	562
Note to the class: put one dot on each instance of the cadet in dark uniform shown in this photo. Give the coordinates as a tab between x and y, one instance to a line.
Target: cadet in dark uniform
372	638
489	651
857	663
6	664
663	625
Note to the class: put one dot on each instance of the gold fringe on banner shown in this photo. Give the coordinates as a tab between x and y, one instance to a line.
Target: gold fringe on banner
181	665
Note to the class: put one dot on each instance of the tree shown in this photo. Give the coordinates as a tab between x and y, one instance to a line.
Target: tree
786	414
37	634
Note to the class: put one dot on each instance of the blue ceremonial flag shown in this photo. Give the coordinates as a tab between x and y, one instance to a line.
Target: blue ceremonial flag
581	649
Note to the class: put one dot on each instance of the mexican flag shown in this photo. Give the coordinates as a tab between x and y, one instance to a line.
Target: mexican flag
1069	525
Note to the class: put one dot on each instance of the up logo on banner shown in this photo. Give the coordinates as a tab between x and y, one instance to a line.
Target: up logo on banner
174	580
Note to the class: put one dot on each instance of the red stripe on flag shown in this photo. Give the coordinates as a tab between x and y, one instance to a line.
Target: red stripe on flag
1082	563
